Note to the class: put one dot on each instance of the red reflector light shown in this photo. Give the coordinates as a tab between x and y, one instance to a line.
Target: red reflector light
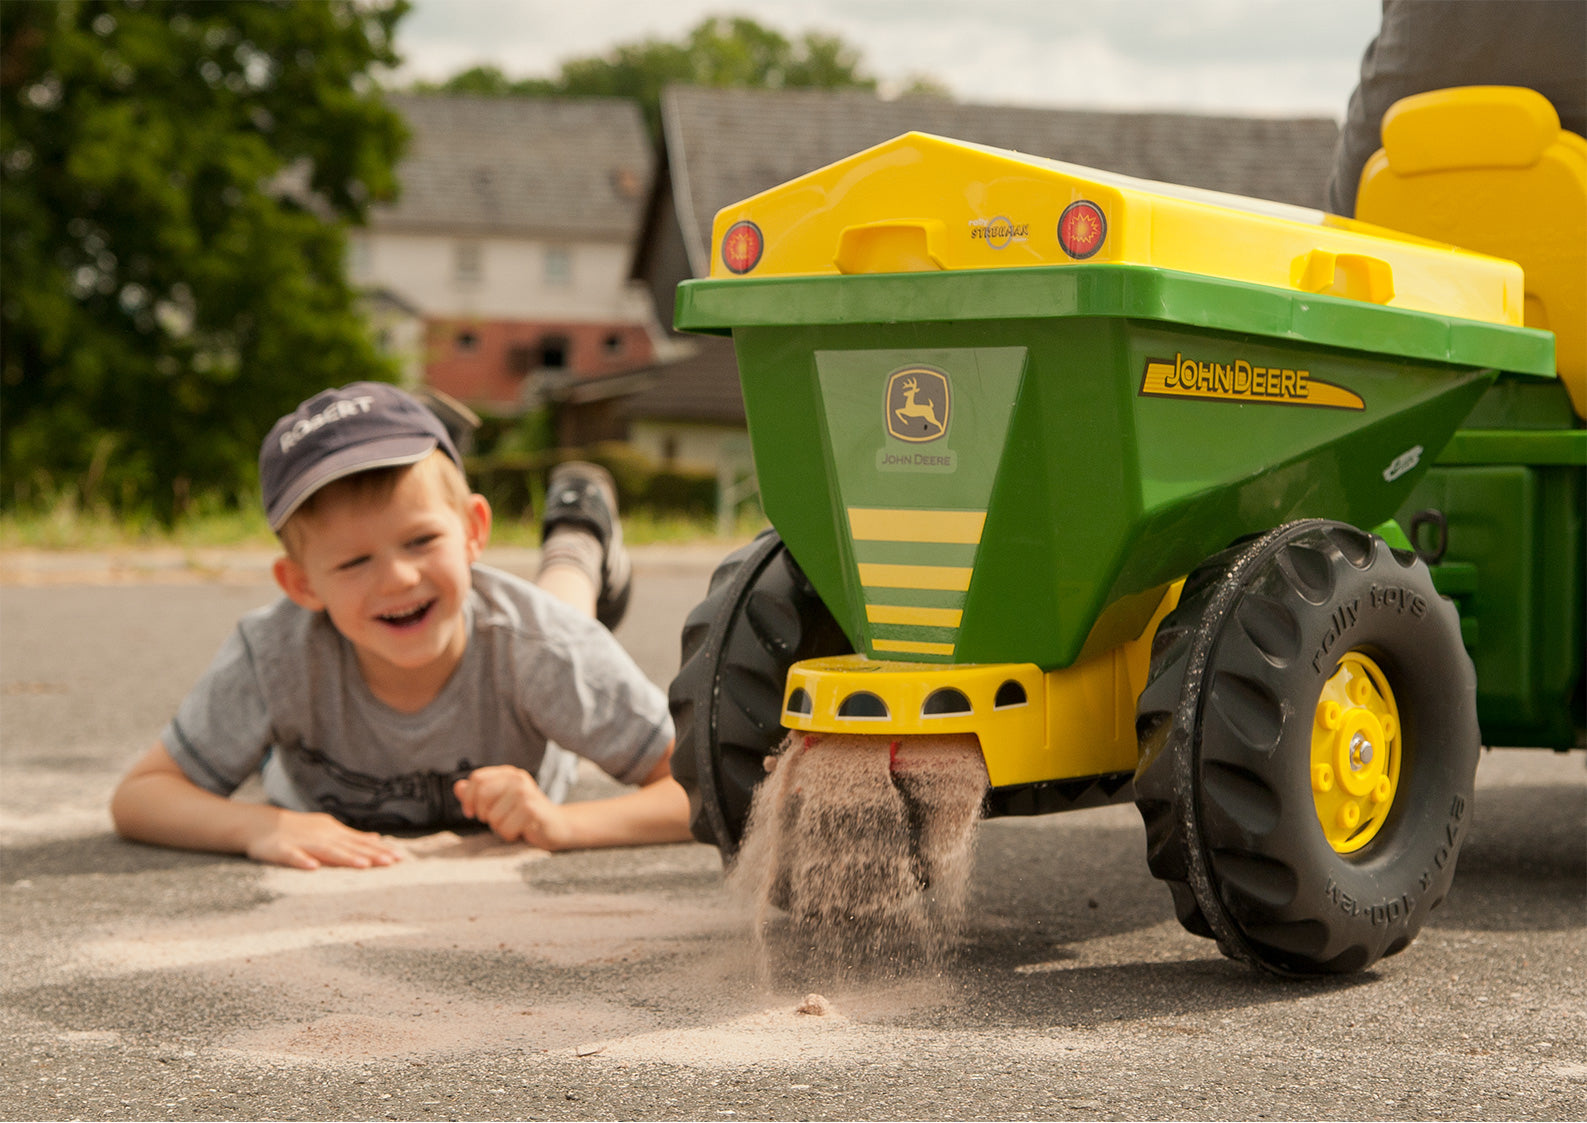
1082	229
742	246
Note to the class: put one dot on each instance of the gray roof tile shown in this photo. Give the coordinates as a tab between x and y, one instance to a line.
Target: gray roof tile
703	387
573	167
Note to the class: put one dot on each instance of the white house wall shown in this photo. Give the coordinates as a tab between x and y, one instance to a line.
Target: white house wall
511	282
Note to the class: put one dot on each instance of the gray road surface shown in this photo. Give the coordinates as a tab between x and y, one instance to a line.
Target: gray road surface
481	981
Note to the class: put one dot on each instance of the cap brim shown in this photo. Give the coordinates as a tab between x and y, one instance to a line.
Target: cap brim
391	452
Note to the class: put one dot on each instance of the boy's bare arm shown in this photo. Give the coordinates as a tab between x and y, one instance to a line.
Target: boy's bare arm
508	801
657	811
156	802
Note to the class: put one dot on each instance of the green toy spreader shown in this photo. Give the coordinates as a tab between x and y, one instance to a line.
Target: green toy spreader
1000	408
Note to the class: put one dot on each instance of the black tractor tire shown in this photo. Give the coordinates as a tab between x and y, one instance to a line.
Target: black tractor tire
760	616
1226	726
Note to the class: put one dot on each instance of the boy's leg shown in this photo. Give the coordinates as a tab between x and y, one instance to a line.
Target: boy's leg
582	559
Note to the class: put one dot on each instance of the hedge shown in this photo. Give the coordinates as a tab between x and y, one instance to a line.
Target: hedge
515	483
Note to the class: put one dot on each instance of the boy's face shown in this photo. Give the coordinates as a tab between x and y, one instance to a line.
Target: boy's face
393	577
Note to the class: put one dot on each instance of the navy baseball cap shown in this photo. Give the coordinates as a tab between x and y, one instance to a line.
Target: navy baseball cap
341	432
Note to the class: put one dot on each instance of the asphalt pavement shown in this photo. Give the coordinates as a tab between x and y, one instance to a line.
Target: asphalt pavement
476	980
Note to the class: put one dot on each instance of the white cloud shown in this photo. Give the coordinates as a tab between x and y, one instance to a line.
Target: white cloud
1247	56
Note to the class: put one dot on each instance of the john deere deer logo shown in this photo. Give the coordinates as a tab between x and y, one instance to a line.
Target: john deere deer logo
917	404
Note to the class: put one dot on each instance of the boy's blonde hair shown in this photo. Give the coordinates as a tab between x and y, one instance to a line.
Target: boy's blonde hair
373	488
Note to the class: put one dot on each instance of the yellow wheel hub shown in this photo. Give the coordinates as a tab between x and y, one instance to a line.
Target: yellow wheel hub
1355	753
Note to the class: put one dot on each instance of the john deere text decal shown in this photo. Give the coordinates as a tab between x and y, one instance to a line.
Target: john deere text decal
1242	381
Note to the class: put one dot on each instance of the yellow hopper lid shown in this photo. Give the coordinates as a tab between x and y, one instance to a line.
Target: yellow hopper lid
921	202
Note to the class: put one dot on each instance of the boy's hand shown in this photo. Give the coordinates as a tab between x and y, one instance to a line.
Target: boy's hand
508	801
307	841
156	803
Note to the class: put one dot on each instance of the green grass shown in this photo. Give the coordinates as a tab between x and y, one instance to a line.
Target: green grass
640	527
66	526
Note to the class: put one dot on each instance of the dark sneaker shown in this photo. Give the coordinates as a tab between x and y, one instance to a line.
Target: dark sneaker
584	495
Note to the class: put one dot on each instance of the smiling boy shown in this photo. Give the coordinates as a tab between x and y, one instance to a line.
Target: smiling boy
399	685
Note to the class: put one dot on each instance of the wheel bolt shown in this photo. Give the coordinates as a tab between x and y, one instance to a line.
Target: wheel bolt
1382	790
1360	752
1360	690
1331	714
1322	778
1349	816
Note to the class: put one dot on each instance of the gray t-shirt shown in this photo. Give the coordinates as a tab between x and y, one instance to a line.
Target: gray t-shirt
537	683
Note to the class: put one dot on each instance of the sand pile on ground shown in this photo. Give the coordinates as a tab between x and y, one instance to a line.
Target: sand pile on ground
469	945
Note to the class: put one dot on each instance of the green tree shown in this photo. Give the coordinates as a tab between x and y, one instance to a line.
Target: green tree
721	51
175	176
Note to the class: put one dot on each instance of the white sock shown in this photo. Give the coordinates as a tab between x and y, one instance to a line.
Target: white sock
570	544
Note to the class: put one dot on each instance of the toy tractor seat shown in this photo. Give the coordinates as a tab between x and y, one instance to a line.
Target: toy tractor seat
1488	168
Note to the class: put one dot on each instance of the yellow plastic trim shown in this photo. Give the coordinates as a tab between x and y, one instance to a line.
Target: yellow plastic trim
925	202
911	614
902	246
1005	733
1073	722
912	646
1355	753
1357	276
954	578
882	524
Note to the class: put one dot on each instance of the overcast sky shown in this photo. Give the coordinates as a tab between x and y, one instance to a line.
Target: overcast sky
1278	57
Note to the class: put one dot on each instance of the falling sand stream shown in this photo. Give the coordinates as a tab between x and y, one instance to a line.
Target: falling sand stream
866	844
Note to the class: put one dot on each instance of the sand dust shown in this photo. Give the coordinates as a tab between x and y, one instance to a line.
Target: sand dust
467	941
450	945
865	843
459	943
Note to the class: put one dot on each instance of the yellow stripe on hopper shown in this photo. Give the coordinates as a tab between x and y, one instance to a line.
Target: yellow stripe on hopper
912	647
909	614
955	578
882	524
